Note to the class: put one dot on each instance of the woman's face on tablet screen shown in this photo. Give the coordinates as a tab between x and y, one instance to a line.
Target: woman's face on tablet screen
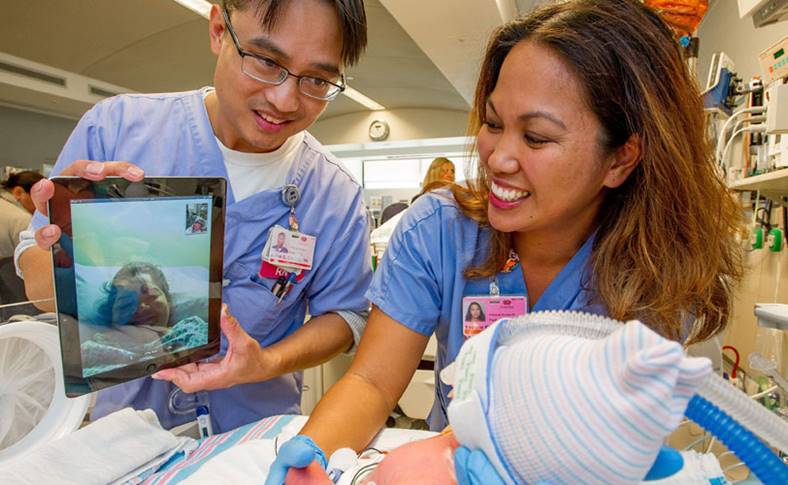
153	308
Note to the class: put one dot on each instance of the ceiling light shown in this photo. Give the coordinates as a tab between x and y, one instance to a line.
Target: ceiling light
201	7
362	100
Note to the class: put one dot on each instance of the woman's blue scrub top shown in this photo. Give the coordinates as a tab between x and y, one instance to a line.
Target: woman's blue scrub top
170	134
420	281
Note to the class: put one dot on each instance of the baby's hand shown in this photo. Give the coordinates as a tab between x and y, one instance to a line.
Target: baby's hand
311	475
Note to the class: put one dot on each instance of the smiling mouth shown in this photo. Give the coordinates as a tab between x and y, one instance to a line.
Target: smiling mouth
508	195
270	119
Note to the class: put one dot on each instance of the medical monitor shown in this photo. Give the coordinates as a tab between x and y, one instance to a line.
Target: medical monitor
137	275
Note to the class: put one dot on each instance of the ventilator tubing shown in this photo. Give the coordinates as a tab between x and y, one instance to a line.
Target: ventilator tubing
767	466
738	405
737	421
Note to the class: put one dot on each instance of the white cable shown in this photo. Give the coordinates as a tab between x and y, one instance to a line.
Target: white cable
736	114
711	444
740	124
30	302
764	393
723	131
750	120
779	272
733	467
759	128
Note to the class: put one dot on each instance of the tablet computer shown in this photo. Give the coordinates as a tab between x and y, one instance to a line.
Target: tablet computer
137	275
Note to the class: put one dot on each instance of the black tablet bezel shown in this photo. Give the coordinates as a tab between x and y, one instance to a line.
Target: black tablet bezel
116	188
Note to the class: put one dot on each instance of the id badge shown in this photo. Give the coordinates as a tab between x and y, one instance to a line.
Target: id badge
479	312
292	250
268	270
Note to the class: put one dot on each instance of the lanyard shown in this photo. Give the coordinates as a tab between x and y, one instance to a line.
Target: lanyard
511	263
290	197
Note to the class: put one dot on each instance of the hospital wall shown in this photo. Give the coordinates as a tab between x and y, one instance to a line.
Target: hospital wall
405	124
29	139
766	281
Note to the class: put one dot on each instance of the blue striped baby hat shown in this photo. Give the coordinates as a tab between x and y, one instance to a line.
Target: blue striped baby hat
558	401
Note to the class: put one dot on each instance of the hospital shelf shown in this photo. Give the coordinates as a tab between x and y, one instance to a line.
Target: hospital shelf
772	184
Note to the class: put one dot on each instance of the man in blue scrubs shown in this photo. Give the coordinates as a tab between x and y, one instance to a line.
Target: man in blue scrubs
278	65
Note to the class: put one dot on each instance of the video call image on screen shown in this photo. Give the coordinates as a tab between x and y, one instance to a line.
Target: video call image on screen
141	269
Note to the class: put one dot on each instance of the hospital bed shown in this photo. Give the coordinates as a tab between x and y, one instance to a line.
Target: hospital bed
56	417
155	457
34	413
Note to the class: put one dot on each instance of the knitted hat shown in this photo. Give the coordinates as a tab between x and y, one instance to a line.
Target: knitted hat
562	408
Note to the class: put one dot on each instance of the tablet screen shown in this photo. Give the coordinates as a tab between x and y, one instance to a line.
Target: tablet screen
128	273
138	286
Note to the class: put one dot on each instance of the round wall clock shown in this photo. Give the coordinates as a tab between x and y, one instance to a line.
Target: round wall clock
378	130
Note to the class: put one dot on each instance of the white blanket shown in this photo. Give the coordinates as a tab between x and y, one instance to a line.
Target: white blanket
113	448
249	463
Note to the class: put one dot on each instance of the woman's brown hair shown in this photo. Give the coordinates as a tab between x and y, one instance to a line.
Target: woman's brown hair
666	246
434	171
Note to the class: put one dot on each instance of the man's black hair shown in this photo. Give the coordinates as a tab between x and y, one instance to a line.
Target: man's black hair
352	18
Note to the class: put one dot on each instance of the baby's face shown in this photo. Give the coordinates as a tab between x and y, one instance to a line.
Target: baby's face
429	461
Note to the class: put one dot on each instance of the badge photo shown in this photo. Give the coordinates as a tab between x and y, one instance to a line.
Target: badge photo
479	312
289	249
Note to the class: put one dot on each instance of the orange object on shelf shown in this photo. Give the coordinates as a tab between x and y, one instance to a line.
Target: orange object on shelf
682	15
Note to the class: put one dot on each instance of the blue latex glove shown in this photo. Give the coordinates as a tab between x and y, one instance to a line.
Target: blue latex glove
473	468
668	463
298	452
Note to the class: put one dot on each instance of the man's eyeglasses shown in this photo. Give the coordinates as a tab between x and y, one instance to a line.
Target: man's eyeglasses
268	71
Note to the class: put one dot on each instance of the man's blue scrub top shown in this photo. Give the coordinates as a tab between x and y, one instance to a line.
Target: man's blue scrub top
170	134
420	281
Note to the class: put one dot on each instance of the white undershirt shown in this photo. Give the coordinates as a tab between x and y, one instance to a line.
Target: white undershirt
250	173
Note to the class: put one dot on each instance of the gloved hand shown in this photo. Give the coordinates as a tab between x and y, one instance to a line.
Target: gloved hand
668	463
473	468
298	452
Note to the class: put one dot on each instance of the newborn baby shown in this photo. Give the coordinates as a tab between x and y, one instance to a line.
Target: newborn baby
546	405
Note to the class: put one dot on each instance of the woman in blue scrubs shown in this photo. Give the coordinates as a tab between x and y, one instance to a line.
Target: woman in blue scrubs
596	192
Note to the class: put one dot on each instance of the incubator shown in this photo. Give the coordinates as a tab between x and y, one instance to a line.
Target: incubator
34	408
